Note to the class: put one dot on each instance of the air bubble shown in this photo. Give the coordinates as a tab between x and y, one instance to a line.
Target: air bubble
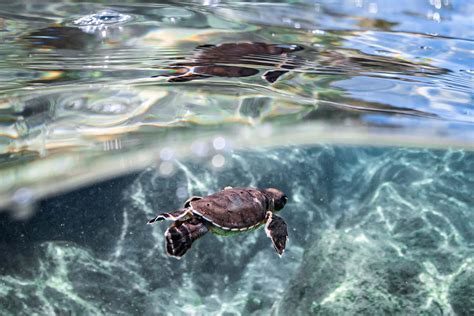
23	196
166	168
219	143
23	204
218	161
182	192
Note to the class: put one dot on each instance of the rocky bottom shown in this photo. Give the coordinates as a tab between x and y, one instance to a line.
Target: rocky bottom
372	231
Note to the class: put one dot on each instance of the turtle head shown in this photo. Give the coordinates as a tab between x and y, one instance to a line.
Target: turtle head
279	198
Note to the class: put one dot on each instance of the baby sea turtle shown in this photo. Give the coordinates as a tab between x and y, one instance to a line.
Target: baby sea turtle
230	211
226	60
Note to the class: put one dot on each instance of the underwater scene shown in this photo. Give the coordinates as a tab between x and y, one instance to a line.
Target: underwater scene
237	158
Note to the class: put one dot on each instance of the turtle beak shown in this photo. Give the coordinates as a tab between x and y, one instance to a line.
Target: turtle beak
285	199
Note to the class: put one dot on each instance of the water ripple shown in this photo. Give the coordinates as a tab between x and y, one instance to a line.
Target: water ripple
105	17
130	73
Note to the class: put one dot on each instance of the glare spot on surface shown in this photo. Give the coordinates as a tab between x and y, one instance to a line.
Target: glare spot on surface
218	161
436	3
211	3
435	16
373	8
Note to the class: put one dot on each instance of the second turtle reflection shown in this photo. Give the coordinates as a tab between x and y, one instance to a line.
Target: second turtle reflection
220	60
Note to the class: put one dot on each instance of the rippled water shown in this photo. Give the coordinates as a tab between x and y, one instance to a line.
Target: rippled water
185	98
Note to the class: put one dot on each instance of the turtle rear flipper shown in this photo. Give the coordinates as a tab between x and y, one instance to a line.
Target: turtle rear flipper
180	238
172	71
277	231
180	215
187	77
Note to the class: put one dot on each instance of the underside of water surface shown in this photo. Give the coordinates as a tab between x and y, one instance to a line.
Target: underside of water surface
361	112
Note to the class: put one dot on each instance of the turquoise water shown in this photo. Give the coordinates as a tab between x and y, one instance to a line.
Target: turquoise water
360	111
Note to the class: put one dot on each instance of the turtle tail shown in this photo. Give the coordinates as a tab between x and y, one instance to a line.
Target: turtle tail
180	238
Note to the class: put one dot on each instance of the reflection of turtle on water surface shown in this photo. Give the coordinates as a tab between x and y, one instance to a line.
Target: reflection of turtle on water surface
221	60
230	211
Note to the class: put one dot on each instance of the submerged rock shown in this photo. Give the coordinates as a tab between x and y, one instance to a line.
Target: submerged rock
461	292
381	230
397	245
353	274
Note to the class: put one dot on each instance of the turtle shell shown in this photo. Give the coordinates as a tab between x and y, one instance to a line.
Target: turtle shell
226	50
236	209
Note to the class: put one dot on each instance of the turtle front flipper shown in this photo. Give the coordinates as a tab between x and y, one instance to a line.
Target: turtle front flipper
179	238
205	46
180	215
192	198
277	231
273	75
